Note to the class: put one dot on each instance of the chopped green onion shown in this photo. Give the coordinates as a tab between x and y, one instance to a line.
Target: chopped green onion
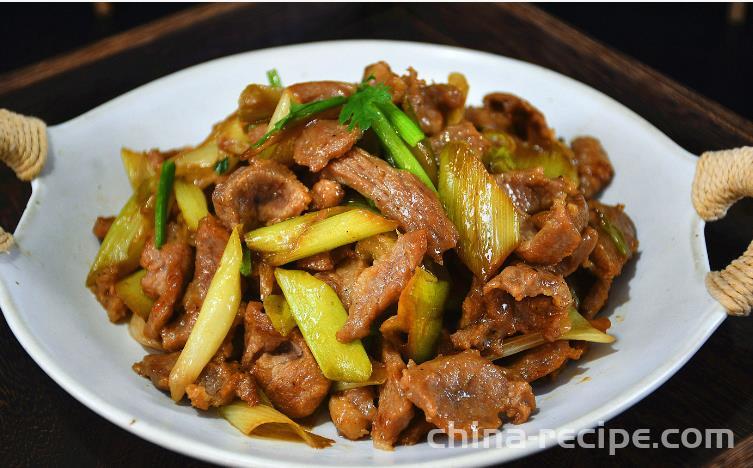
222	166
397	150
405	126
274	78
319	314
246	262
164	190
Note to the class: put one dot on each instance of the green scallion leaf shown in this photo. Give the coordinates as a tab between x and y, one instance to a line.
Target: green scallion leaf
164	189
246	262
222	166
274	78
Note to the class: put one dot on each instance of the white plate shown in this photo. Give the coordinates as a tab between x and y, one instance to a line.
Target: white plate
660	310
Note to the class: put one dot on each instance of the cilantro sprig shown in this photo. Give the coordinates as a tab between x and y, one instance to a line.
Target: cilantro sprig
370	107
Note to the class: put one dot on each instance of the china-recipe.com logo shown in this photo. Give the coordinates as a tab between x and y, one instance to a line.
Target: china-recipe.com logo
599	437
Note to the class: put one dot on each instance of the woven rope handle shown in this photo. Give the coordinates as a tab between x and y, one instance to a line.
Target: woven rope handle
721	179
23	147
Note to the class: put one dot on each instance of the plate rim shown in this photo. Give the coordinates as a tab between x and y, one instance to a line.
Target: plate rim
203	451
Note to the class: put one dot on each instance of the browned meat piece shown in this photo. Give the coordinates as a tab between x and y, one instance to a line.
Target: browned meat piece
531	191
176	333
353	411
104	291
399	195
267	280
318	90
167	270
343	278
594	169
322	141
219	384
521	299
550	236
484	322
559	215
259	336
542	299
101	226
416	431
318	262
543	360
382	73
326	193
430	103
465	132
157	367
606	261
394	410
265	191
380	285
291	378
466	391
511	114
211	239
569	264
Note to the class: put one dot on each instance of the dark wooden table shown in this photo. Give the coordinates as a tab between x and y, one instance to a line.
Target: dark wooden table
43	425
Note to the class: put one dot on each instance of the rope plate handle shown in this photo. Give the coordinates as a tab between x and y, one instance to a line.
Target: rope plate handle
23	148
721	179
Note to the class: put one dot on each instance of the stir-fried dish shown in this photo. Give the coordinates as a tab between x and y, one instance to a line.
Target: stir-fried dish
376	249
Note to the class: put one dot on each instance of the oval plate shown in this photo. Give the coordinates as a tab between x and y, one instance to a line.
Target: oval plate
659	307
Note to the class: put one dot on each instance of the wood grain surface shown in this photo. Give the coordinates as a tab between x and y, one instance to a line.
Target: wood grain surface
42	425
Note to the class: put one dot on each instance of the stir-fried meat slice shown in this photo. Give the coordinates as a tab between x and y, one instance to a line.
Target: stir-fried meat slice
430	103
352	411
343	278
211	239
399	195
291	378
559	215
318	262
416	430
394	410
465	391
511	114
465	132
104	291
594	169
101	226
531	191
569	264
267	280
219	384
606	261
322	141
542	299
543	360
157	367
265	191
326	193
175	334
382	73
550	236
484	322
380	285
259	335
166	272
318	90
